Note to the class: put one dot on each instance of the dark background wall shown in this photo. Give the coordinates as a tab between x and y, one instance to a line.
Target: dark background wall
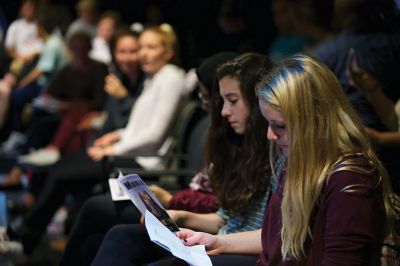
196	23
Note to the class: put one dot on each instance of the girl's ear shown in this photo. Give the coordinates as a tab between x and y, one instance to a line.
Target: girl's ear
169	54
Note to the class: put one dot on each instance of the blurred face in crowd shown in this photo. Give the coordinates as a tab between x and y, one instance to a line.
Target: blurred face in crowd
79	49
277	130
28	10
126	54
234	109
204	96
88	15
153	54
105	28
283	16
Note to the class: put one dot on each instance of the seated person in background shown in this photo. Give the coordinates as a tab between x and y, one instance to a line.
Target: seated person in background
100	213
75	91
371	30
236	157
123	84
385	108
148	126
23	43
122	88
101	42
52	58
86	18
289	40
374	93
333	202
155	110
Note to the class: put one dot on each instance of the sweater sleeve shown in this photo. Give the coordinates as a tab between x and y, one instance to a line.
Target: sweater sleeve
138	136
354	219
194	201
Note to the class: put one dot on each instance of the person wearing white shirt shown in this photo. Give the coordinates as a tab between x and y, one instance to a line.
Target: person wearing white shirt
104	32
22	41
156	108
86	20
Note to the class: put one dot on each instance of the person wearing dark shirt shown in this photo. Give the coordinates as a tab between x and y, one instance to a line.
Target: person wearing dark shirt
371	29
75	91
124	82
366	27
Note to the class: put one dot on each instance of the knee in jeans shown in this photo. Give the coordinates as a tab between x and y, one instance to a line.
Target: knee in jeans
118	233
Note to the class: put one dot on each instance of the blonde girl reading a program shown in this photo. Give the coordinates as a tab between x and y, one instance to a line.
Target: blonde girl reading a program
333	202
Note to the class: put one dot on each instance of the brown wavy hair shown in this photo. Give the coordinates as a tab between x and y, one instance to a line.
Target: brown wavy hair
239	165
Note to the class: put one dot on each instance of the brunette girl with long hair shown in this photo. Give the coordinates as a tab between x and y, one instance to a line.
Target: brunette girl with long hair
238	167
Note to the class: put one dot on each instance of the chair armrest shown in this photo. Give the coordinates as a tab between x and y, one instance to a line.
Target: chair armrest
151	173
126	161
182	176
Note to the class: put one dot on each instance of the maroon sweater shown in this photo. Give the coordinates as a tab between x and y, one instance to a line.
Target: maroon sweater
198	197
346	227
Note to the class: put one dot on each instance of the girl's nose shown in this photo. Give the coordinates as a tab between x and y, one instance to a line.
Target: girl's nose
271	134
225	112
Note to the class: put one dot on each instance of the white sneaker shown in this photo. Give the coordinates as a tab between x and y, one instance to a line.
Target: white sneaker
8	247
40	157
11	248
15	140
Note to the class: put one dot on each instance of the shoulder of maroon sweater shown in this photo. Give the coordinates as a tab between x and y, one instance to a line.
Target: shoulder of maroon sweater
352	182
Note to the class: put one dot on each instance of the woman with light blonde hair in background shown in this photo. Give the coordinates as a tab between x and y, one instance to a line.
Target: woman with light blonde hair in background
155	110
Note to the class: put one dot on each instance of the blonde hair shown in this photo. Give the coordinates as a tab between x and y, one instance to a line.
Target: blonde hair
168	39
325	136
167	34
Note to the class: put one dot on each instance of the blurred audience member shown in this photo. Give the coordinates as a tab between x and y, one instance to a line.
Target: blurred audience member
105	31
23	43
369	28
155	110
151	117
76	90
289	40
86	20
52	58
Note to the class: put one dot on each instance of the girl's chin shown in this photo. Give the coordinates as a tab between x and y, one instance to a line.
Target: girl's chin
284	149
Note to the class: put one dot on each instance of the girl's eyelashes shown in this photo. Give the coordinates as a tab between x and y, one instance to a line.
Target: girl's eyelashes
280	126
232	100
